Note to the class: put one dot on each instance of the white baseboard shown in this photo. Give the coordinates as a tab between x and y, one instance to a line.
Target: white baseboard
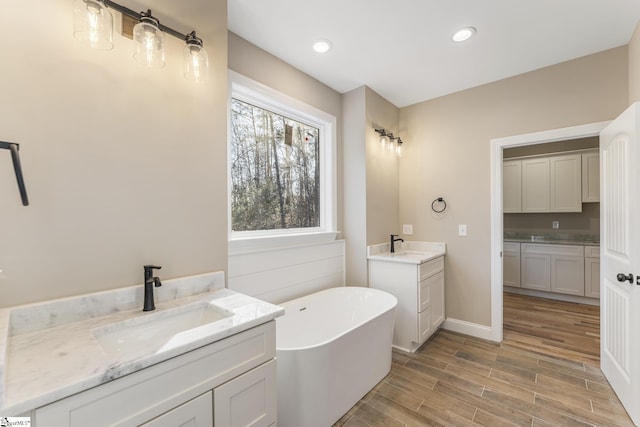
468	328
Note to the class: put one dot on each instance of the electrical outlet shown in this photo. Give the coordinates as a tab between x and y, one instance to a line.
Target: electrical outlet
555	224
462	230
407	229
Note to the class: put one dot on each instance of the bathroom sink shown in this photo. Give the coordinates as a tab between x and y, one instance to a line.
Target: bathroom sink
157	331
412	254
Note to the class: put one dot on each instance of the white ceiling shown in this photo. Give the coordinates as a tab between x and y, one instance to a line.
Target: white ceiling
402	49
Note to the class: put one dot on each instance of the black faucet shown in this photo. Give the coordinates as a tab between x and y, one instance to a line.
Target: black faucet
149	282
393	240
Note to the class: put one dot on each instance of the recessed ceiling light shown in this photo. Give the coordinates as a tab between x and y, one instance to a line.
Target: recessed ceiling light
463	34
322	46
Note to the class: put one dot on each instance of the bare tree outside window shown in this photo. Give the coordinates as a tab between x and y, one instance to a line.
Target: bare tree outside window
275	170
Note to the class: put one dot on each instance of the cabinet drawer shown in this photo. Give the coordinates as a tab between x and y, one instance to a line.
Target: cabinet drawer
429	268
511	247
196	412
537	248
592	251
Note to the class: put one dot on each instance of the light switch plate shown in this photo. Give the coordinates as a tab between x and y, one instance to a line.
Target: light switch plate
407	228
462	230
555	224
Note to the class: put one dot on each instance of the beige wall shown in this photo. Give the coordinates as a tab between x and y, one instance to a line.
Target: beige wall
124	166
447	154
370	178
382	170
634	66
355	185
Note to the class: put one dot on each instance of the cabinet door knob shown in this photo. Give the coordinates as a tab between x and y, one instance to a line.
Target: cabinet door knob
623	278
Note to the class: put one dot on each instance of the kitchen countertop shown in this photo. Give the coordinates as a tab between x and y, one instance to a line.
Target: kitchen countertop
409	252
49	351
567	239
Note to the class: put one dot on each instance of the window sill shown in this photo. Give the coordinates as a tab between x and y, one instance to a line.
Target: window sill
245	245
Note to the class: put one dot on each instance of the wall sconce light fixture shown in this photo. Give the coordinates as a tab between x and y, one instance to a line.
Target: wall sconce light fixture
399	146
93	25
148	41
196	60
384	136
387	140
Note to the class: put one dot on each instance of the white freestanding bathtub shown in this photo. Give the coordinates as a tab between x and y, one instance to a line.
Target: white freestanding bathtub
332	347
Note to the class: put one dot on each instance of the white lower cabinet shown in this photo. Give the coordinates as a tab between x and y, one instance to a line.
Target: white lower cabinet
567	275
248	400
536	271
419	289
230	382
592	272
553	268
511	264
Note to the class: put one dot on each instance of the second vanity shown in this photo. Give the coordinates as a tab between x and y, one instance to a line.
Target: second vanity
206	355
414	274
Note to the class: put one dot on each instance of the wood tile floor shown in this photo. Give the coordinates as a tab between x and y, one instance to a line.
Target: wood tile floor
544	373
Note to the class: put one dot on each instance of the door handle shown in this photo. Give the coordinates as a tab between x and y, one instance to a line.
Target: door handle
623	278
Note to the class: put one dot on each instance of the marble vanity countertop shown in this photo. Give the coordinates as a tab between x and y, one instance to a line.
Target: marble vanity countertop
49	350
409	252
561	239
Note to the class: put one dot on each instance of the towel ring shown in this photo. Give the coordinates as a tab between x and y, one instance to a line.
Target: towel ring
438	205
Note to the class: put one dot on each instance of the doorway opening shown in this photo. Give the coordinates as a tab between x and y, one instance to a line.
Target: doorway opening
551	225
498	146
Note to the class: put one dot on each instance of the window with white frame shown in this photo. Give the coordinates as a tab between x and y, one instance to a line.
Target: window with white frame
281	164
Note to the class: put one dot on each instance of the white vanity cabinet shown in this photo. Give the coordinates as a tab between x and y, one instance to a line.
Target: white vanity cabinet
419	289
196	412
230	382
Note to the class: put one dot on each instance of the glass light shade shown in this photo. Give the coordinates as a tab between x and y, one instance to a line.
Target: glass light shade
93	24
149	43
399	149
196	62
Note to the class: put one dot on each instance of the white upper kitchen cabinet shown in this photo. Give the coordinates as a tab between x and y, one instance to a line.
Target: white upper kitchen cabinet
591	177
549	184
535	185
512	189
566	183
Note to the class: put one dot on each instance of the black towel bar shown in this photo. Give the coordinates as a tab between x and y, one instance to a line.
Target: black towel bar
17	167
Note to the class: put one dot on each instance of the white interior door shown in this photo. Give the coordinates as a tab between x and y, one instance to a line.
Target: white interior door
620	257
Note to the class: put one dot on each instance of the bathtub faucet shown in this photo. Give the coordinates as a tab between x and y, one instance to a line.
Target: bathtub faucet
393	240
